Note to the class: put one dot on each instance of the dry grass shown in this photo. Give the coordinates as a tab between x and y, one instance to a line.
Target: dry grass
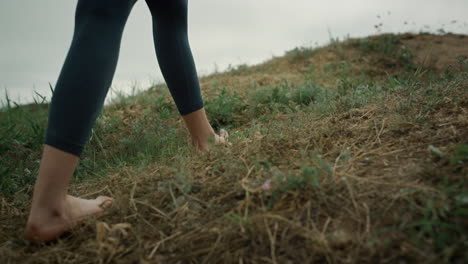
300	187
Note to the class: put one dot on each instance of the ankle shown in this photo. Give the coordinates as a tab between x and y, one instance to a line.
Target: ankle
199	127
202	136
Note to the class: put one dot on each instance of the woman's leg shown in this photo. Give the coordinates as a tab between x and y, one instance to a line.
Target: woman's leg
178	67
78	98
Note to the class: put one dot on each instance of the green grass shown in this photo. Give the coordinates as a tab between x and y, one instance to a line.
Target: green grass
225	109
315	166
442	221
390	45
309	179
148	137
111	145
22	129
153	137
299	54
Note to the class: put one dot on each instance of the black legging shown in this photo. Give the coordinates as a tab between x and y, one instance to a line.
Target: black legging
91	61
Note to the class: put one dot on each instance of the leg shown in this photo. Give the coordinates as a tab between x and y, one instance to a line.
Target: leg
78	98
87	72
178	67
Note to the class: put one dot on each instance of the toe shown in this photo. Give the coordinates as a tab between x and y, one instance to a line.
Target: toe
223	133
220	140
104	202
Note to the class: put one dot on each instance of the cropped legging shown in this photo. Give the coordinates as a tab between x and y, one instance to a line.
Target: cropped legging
92	58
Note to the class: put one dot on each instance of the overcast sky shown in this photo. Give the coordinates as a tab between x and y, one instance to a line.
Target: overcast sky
35	35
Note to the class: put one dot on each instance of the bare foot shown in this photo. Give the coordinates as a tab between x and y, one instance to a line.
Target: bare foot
222	138
201	130
46	224
203	144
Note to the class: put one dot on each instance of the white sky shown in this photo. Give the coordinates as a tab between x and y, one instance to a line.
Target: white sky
35	35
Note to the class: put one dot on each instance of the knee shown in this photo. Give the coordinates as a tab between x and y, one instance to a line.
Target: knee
104	9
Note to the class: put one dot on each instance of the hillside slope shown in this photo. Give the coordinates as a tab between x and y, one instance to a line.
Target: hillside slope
356	152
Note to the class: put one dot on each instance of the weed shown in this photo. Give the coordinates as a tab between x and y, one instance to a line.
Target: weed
460	155
271	99
463	62
253	201
307	93
237	219
343	67
22	129
389	45
241	69
442	220
301	54
224	109
309	179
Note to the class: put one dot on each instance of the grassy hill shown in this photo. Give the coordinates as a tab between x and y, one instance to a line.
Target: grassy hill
356	152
